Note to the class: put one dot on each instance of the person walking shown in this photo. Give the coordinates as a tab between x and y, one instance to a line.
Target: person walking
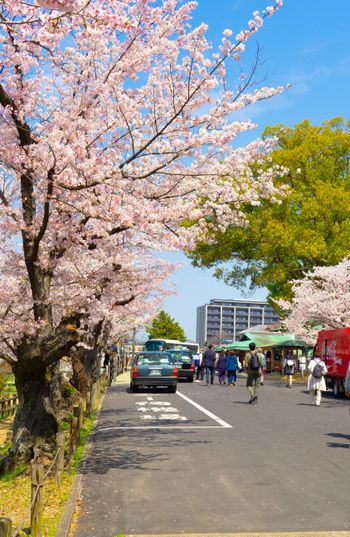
289	368
112	368
263	359
221	366
253	365
231	365
200	370
316	383
208	363
107	359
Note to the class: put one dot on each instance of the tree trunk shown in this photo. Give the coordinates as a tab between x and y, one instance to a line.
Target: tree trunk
35	423
86	367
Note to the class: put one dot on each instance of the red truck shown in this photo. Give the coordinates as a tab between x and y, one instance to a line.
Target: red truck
334	348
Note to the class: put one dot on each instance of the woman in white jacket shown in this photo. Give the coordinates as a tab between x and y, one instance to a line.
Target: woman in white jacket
316	383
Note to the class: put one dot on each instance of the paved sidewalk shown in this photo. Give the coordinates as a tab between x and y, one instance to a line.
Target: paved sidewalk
124	378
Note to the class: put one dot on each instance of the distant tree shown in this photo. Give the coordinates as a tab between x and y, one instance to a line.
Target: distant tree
166	327
309	227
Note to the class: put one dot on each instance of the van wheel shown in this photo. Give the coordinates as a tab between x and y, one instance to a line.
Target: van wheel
172	389
336	388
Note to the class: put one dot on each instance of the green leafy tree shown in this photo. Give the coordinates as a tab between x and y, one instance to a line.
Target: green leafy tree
166	327
311	225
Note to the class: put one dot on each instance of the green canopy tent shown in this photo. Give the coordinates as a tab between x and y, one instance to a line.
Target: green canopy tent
264	340
237	346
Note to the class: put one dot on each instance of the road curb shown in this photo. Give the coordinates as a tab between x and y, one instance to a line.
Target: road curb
69	508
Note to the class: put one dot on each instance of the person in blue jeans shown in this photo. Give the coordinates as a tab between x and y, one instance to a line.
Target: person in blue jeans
231	367
208	362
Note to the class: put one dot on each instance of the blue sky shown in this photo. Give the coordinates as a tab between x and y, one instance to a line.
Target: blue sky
306	44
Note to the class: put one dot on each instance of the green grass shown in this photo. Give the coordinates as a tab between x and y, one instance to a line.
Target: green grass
84	436
15	487
7	385
16	472
69	389
64	425
5	449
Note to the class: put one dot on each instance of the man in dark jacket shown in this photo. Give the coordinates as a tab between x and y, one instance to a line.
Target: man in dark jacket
254	367
208	363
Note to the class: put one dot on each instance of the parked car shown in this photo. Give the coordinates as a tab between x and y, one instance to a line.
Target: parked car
154	369
334	348
184	361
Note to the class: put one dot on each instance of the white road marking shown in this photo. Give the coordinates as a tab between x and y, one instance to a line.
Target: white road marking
148	405
131	427
145	395
172	417
223	423
166	409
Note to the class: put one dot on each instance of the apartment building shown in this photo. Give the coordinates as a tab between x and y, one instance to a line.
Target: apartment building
225	319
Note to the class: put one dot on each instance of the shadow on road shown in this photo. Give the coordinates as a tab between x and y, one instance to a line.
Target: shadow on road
111	449
337	444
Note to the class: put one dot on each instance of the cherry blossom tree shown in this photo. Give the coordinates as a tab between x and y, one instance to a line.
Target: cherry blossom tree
117	126
321	300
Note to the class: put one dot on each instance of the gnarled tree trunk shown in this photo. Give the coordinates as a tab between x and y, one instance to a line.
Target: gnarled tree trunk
35	423
85	361
86	366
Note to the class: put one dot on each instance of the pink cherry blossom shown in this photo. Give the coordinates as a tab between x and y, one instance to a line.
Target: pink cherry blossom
321	300
117	128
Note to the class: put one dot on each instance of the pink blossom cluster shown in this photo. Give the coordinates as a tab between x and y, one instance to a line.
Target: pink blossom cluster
117	127
61	5
321	300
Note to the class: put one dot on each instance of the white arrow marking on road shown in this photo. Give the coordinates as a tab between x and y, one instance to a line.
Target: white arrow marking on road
172	417
167	409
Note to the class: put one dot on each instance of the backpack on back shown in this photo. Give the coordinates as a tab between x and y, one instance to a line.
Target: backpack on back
254	362
317	371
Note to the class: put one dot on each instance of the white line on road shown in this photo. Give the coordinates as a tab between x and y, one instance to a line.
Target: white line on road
205	411
127	427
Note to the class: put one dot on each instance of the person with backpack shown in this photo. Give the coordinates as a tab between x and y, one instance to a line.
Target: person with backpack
289	368
316	383
254	367
231	366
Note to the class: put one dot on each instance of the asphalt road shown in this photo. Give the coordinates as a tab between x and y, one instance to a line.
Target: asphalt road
204	461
